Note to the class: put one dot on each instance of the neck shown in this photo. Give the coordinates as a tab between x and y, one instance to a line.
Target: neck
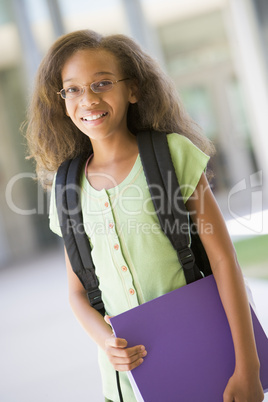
114	148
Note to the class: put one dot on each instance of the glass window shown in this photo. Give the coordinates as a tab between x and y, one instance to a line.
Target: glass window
5	12
199	104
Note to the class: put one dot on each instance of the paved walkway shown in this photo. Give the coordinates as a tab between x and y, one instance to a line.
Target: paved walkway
45	354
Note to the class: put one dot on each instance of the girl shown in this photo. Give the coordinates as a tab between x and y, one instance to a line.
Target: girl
99	91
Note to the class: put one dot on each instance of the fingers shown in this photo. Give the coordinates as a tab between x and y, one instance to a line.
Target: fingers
107	319
121	357
117	343
126	363
128	367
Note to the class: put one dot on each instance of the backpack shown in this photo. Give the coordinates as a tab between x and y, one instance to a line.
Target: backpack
160	174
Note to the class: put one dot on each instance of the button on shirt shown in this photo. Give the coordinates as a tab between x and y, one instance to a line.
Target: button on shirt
134	260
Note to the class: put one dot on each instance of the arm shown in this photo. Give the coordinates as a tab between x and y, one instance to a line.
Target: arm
245	384
121	357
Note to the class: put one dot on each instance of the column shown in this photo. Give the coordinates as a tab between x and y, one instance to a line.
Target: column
250	65
141	31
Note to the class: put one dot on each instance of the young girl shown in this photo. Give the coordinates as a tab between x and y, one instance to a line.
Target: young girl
100	91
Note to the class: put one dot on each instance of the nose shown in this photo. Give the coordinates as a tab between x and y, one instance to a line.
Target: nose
89	97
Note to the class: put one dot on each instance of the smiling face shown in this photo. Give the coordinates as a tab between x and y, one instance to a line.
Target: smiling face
98	115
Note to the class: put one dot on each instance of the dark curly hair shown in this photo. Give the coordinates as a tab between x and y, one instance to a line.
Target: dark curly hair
51	135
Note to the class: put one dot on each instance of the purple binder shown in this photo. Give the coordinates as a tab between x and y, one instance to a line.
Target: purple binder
189	344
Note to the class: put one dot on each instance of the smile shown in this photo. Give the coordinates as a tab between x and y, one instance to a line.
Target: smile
93	117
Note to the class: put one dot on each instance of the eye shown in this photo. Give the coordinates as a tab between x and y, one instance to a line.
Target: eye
103	83
102	86
73	90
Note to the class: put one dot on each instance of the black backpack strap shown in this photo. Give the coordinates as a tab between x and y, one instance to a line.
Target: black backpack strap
180	213
163	185
165	163
68	192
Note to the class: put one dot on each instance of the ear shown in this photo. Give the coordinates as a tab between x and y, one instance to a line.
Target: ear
133	94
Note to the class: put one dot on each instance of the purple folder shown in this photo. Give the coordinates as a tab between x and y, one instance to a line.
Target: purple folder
189	344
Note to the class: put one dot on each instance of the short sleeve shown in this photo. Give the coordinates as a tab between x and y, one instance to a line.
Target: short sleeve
53	215
189	163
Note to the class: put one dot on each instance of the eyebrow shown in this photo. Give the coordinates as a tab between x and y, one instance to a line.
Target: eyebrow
104	73
96	74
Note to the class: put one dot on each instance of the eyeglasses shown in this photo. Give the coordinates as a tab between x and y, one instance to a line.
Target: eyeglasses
97	87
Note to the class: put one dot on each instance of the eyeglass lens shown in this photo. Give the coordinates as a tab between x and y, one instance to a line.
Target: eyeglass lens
77	90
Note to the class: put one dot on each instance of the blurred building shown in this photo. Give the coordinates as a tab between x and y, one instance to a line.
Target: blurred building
216	53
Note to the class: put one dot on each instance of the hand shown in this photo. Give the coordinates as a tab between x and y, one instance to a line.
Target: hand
241	388
120	356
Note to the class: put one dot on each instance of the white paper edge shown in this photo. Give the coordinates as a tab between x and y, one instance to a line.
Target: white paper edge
135	387
131	380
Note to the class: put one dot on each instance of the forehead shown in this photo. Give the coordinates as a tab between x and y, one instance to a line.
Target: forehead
90	64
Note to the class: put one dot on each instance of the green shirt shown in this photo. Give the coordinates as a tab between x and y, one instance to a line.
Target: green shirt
134	260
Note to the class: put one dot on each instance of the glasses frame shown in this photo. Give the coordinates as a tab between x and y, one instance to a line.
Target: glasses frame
90	86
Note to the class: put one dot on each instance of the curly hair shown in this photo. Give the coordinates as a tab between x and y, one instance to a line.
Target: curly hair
51	135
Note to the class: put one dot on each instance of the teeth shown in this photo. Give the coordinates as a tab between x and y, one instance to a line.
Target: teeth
94	117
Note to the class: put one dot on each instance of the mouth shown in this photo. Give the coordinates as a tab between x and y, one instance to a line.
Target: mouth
94	117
